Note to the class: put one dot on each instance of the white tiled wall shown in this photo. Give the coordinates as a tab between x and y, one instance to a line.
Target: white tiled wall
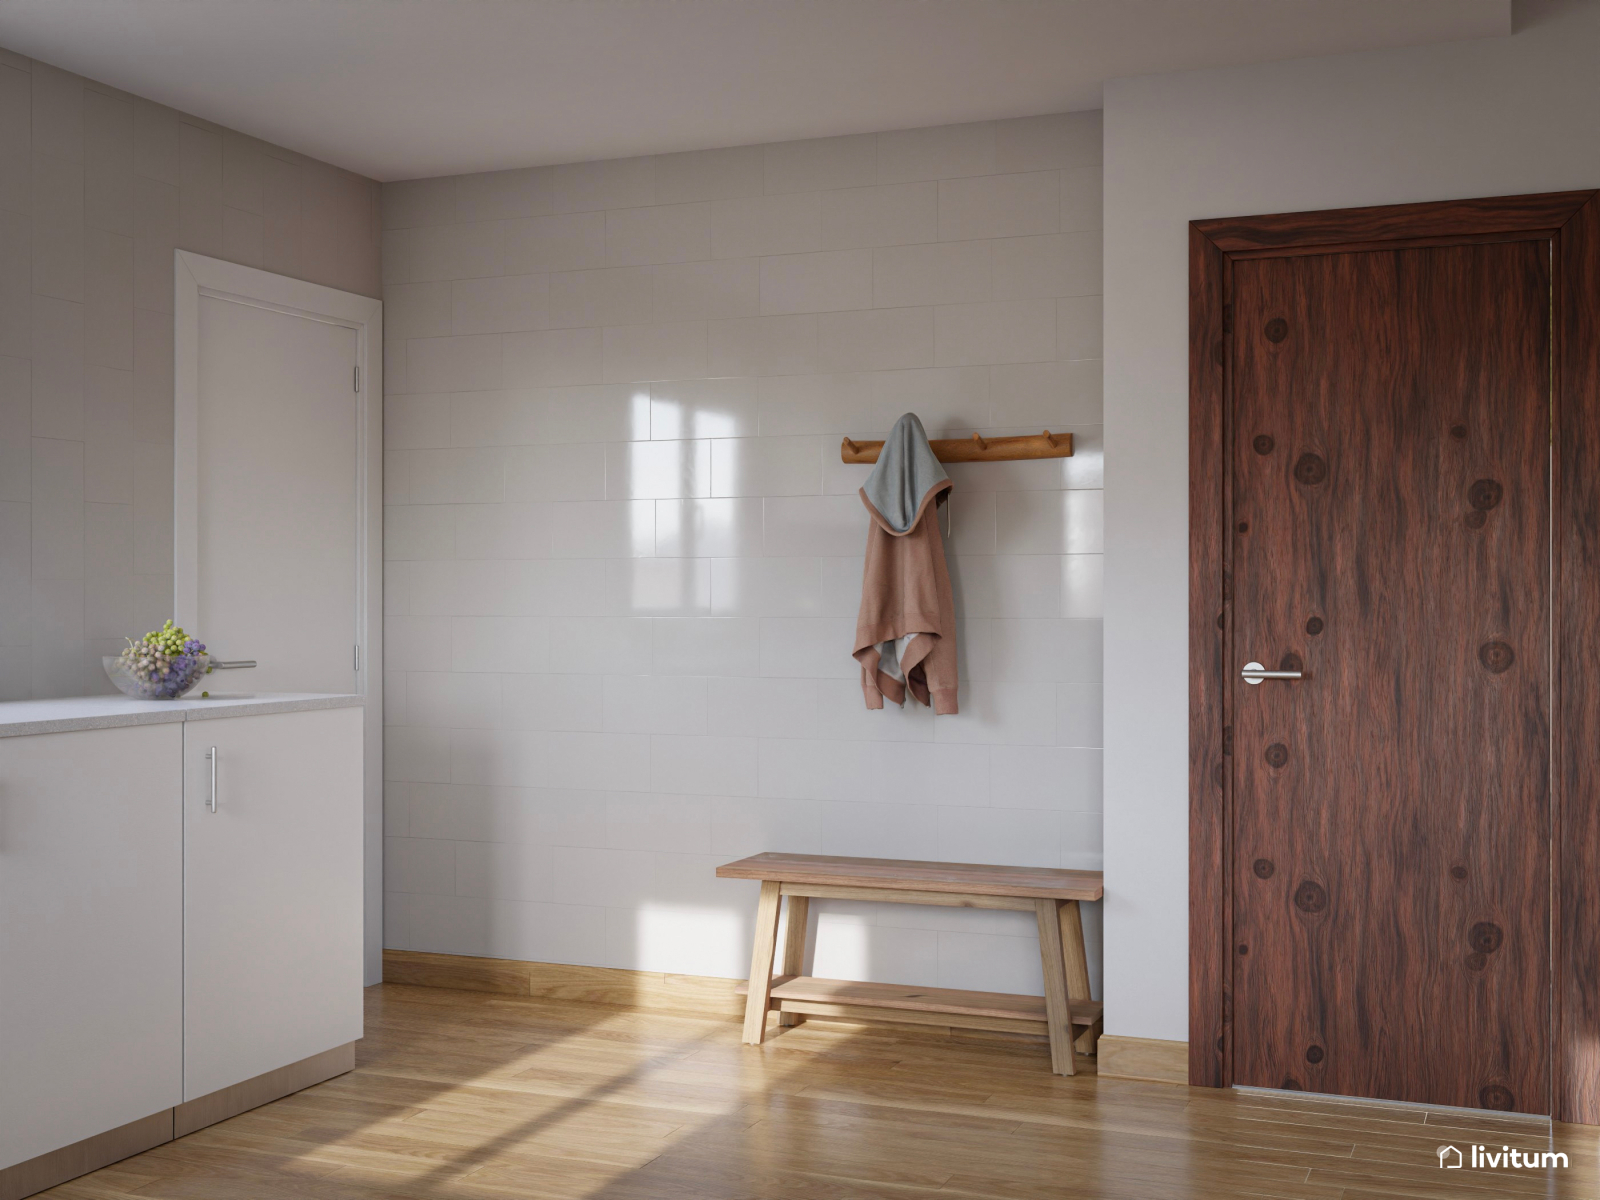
624	559
97	188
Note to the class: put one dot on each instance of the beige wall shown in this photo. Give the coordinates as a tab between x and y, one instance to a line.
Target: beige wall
97	188
624	558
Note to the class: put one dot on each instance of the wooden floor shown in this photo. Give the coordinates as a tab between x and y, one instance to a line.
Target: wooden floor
477	1095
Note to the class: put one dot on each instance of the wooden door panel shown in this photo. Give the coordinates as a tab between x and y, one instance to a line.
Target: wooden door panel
1390	874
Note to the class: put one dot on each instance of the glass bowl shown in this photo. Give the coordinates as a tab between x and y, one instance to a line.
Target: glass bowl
170	688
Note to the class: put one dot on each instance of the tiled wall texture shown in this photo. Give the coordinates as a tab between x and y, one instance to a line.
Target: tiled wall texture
97	188
624	559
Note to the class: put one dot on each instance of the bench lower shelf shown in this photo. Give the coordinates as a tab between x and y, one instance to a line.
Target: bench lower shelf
1002	1012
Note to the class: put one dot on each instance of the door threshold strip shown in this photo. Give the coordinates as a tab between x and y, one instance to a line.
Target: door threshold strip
1442	1109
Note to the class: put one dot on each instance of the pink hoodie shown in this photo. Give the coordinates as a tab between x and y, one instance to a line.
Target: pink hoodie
906	599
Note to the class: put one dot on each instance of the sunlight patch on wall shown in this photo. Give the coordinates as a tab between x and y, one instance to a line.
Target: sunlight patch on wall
691	940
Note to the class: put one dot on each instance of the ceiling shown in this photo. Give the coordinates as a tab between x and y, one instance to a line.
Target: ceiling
399	89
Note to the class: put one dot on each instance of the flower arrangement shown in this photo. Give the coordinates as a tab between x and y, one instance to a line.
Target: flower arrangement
162	665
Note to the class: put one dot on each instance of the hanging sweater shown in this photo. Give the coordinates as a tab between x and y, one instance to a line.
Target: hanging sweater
906	630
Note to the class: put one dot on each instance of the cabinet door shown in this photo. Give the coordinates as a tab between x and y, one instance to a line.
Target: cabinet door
272	893
91	935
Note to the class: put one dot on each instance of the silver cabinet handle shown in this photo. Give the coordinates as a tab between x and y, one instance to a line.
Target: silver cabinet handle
212	755
234	665
1254	673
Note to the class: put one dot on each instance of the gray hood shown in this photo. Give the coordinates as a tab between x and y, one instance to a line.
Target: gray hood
907	478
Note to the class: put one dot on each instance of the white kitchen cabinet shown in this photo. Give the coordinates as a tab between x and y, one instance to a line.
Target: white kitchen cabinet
163	966
91	933
272	899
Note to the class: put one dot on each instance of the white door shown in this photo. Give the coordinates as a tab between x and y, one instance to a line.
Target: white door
272	908
277	498
91	935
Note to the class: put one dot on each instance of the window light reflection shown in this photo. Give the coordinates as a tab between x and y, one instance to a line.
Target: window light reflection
675	535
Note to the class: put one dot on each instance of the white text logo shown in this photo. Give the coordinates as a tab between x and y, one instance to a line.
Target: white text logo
1482	1157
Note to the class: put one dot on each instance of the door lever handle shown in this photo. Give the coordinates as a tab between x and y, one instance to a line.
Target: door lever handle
1254	673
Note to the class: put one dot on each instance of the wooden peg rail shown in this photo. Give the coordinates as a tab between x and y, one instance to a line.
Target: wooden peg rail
974	448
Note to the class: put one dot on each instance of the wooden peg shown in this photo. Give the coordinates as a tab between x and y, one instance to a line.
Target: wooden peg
979	442
1048	440
850	447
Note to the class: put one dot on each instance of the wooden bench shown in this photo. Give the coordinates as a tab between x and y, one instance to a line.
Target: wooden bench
1065	1012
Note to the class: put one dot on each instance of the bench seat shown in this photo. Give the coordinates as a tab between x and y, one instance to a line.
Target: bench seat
899	874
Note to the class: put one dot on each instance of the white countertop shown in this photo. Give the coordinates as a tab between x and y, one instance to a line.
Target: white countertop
19	717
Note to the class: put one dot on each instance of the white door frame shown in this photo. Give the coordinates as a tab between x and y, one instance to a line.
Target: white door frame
196	275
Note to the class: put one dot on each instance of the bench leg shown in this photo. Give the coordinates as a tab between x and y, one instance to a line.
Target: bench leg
1089	1040
794	948
1077	964
766	943
1058	1012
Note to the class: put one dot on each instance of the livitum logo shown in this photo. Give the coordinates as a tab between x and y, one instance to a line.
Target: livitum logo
1506	1158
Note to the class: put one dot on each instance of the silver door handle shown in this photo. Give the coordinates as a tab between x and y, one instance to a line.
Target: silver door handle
212	755
1254	673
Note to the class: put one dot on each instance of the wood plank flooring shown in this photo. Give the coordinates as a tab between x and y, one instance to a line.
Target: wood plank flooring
477	1095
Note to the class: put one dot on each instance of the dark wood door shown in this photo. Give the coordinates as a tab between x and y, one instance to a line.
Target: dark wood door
1389	852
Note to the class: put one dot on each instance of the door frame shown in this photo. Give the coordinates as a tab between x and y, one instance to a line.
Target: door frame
194	276
1571	221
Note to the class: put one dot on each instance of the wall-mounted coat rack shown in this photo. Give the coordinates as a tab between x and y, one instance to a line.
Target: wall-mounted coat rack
974	448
